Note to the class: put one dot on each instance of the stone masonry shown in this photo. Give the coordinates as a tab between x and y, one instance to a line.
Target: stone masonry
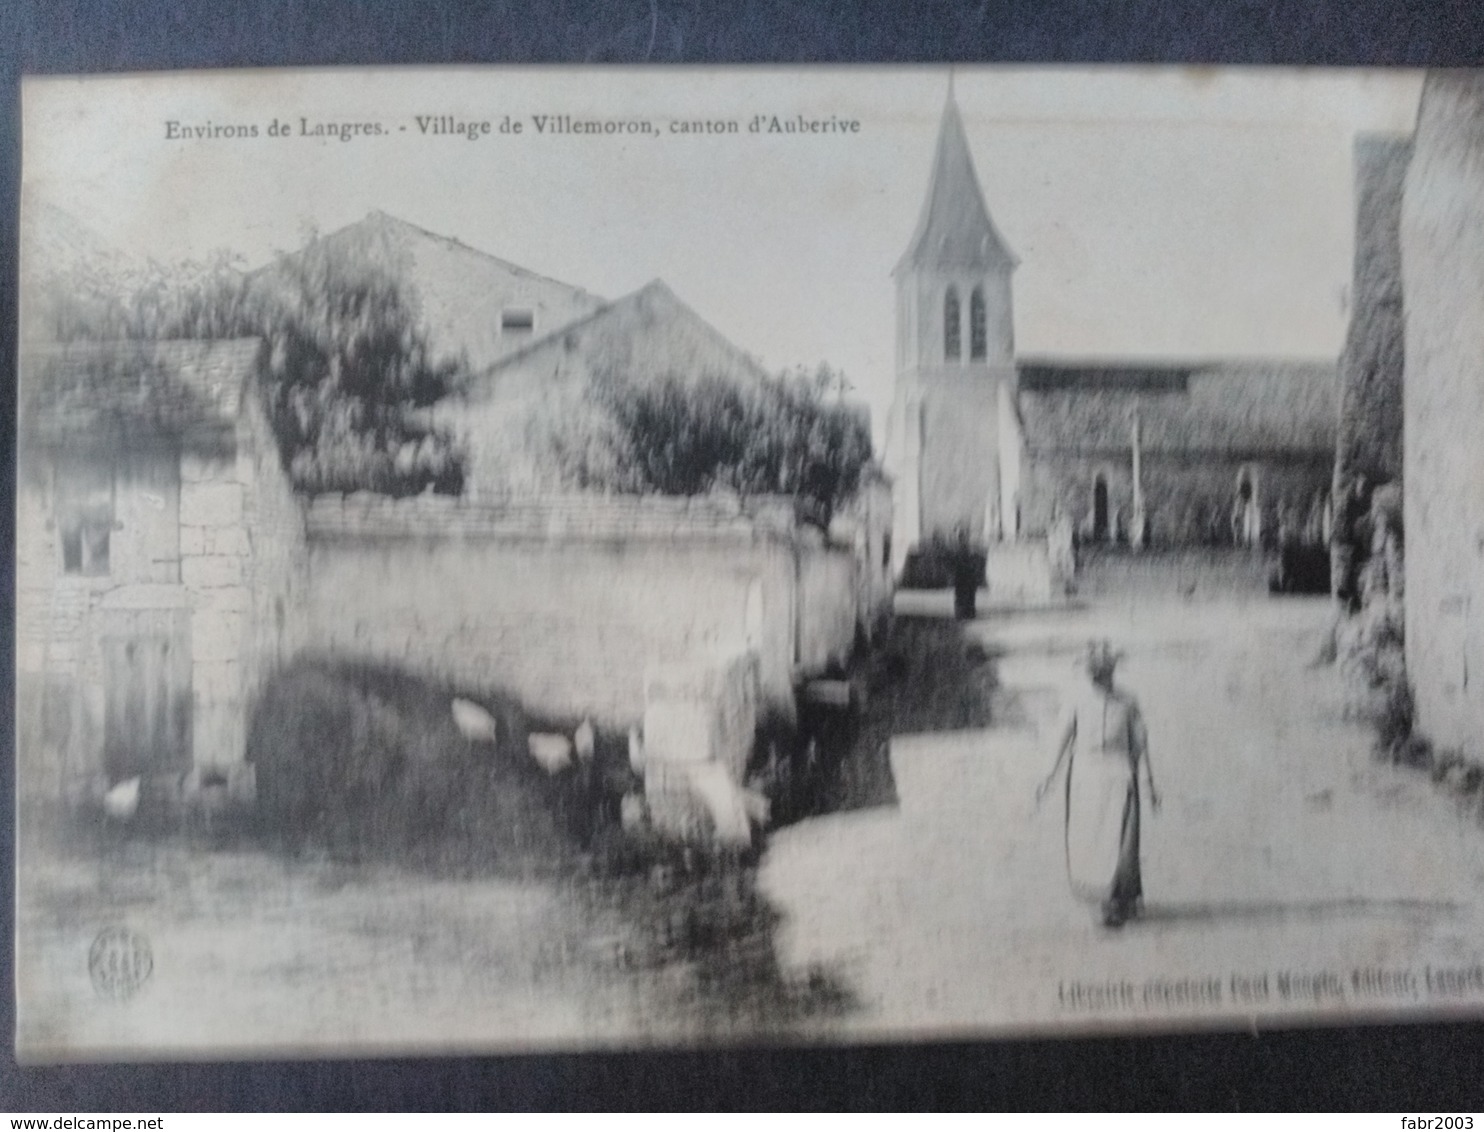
1442	239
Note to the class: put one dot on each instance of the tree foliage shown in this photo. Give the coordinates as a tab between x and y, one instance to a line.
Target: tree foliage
348	365
675	435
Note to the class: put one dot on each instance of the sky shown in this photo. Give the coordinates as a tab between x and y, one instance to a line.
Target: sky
1156	212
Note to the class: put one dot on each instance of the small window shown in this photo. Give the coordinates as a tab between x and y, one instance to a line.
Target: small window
517	320
952	329
978	332
84	503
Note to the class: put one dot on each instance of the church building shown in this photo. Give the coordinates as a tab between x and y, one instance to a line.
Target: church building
998	448
953	437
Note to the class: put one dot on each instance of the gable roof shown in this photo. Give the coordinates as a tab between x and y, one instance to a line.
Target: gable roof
457	292
954	229
1217	408
647	333
111	394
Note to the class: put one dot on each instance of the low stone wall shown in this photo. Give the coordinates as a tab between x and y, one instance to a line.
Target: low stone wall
1019	572
1193	573
827	589
700	720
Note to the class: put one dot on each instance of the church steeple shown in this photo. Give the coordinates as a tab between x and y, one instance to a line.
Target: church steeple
954	231
953	446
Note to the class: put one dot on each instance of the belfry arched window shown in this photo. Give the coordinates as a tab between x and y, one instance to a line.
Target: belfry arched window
952	328
978	332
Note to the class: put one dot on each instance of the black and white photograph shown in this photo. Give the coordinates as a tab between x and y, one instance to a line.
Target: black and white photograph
566	558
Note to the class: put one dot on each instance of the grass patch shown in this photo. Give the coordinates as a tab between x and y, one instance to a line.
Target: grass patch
368	764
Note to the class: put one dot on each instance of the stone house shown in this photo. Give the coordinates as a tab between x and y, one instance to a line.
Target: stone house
157	563
167	567
515	410
471	304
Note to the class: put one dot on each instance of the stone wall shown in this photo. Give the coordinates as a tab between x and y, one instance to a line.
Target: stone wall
826	624
276	565
565	601
1442	241
902	460
1197	573
1185	496
1018	572
866	525
242	562
1370	425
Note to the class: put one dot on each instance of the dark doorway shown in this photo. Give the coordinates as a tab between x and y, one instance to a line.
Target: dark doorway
1100	508
147	687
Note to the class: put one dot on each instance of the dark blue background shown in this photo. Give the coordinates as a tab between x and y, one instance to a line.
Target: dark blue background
1422	1069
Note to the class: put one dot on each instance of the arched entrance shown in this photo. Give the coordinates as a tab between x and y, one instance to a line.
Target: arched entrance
1100	508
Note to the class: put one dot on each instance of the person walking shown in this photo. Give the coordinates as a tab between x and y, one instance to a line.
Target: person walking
1103	742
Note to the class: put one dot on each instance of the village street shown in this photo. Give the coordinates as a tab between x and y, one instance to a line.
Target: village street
1284	853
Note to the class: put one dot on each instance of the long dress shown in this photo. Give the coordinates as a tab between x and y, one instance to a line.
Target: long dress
1102	817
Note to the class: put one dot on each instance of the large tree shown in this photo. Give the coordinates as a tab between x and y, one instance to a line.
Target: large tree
348	364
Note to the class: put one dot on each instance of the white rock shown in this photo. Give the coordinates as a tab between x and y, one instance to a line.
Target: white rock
724	801
473	722
757	806
122	801
552	752
584	740
636	751
631	811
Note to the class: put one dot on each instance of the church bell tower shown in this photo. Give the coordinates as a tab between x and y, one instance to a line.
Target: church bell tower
954	436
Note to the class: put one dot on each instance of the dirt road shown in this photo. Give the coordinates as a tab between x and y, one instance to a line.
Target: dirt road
1287	872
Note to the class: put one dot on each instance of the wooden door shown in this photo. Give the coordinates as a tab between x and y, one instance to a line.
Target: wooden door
147	681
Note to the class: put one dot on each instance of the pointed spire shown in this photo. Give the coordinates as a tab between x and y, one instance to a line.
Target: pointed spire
954	230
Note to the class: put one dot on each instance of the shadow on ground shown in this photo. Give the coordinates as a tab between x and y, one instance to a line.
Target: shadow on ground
927	676
1269	910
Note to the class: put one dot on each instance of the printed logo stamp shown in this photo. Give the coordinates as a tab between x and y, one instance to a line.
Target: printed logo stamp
120	961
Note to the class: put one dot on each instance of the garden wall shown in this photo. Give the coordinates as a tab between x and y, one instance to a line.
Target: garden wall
565	601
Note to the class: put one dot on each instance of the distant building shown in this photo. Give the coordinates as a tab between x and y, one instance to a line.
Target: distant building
1221	448
470	303
543	385
533	345
983	443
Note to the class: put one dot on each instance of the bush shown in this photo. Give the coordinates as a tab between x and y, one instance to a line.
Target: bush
671	434
339	763
367	762
1370	648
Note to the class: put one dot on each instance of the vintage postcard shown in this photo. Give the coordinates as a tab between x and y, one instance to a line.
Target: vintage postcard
528	559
